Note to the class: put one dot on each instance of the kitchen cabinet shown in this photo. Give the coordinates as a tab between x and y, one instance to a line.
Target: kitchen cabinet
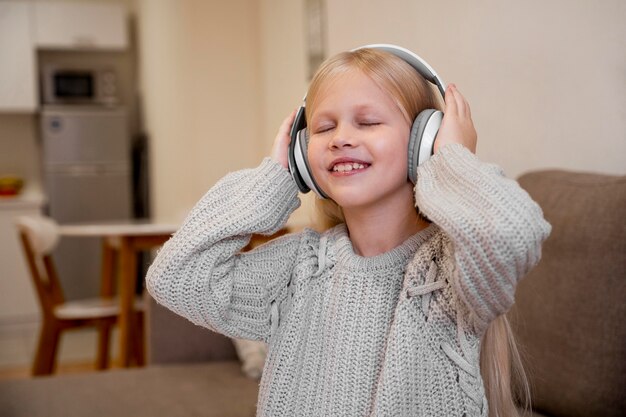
85	25
18	82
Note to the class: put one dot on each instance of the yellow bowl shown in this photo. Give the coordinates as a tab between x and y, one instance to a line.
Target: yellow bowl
10	185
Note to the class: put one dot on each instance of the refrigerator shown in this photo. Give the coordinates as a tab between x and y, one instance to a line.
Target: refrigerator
87	172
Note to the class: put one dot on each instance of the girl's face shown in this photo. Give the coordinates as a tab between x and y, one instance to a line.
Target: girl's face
358	146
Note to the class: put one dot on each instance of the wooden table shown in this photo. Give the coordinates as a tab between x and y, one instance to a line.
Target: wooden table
124	241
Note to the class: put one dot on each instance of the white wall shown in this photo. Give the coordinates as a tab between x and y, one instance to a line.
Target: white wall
284	69
546	80
283	62
217	80
201	87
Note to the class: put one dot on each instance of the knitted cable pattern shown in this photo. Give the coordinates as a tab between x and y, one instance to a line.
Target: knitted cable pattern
396	334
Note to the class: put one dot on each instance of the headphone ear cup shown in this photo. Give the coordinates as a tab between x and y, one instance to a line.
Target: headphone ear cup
302	163
294	151
422	139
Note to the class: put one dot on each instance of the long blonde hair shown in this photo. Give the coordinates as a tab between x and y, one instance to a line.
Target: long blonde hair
500	362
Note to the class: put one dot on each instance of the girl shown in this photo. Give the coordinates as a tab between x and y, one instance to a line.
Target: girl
382	314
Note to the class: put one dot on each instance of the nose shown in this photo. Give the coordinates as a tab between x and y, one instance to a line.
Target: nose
342	137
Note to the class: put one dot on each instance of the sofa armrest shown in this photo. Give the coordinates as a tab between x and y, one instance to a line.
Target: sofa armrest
173	339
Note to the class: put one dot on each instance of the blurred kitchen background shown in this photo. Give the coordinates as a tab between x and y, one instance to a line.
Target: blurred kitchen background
113	109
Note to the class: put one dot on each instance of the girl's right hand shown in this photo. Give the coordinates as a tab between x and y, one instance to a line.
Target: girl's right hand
281	143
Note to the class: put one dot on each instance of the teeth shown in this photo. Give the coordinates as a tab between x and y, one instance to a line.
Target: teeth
347	167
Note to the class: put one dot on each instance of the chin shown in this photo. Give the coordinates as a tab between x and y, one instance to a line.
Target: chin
347	201
371	196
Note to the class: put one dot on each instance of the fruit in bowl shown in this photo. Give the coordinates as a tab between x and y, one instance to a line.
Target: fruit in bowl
10	185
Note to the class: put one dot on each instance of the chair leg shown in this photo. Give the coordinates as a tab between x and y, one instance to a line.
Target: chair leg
104	337
139	344
45	358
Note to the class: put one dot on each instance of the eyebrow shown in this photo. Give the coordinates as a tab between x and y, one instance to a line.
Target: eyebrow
367	108
360	108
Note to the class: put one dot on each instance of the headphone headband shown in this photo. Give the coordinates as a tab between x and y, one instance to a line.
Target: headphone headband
413	60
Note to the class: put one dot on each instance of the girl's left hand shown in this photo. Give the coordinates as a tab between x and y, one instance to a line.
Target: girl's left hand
457	125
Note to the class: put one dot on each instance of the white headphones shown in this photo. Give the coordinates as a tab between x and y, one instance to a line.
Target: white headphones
421	140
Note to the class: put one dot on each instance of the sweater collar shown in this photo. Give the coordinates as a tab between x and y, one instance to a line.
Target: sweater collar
398	256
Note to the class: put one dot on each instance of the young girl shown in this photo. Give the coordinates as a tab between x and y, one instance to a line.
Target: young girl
383	314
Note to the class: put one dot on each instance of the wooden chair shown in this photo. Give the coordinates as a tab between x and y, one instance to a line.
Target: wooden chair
39	236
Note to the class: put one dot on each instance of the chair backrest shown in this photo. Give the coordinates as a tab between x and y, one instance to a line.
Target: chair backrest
39	236
569	311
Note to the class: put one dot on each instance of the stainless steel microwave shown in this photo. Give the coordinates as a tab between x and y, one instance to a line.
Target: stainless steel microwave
79	85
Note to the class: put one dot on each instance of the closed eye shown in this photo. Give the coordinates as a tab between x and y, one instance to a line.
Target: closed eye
322	129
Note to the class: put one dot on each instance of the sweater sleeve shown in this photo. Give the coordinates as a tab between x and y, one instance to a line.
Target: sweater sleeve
496	229
200	272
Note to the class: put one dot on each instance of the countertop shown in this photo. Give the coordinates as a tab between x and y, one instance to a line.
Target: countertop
27	199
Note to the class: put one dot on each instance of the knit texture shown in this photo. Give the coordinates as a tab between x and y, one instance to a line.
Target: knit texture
396	334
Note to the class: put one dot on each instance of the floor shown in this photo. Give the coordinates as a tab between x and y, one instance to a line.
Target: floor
77	350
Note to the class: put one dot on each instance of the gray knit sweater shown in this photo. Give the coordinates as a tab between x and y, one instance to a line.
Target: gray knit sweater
396	334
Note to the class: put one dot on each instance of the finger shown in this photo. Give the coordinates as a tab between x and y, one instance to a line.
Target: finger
292	116
285	127
461	104
451	106
466	108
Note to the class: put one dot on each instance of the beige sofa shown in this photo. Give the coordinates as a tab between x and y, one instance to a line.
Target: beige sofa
569	317
570	311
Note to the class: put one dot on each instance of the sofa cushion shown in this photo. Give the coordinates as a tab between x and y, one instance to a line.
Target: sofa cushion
216	389
569	311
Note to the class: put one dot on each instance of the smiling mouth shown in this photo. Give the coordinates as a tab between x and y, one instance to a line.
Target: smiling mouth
346	167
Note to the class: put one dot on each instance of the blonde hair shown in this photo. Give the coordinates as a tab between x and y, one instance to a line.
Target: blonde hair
502	370
499	357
